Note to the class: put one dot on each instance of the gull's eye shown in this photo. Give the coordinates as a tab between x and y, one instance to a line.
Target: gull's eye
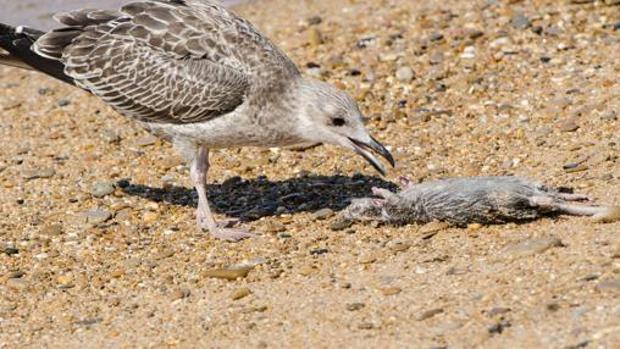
338	121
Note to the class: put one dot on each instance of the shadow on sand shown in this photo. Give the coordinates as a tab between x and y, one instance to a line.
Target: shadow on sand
252	199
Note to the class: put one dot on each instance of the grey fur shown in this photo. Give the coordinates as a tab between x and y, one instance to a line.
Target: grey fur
462	201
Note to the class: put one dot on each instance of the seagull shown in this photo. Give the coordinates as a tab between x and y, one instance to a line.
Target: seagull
196	74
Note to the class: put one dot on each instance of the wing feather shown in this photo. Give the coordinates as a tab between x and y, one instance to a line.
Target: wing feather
176	61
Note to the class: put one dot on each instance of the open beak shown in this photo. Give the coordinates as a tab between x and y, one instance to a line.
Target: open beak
366	149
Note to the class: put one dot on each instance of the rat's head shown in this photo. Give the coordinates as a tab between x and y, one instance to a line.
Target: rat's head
329	115
365	209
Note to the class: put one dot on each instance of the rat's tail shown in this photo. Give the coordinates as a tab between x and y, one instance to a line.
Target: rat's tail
16	51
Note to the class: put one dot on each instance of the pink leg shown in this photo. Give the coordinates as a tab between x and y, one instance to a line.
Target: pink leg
204	216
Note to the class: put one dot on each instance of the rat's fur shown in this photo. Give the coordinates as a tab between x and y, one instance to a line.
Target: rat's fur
462	201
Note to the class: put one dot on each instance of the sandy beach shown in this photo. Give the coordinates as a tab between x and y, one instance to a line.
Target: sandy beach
98	247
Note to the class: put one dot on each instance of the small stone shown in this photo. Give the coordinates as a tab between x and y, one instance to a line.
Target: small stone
227	273
355	306
52	230
315	20
391	291
65	282
497	311
611	215
150	217
315	38
274	227
17	284
240	293
520	21
9	250
181	293
366	326
609	285
307	270
318	251
101	189
96	216
63	102
405	74
532	247
474	226
38	173
15	275
323	214
427	314
368	259
436	36
436	58
569	125
146	141
610	115
431	229
499	327
340	224
399	246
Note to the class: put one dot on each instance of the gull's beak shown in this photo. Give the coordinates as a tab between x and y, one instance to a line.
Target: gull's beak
364	149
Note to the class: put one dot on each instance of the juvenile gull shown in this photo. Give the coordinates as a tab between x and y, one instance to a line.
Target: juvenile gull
461	201
194	73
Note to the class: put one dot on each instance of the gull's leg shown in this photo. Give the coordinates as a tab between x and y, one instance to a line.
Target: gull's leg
204	216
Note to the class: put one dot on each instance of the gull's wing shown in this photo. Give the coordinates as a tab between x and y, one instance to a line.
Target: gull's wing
175	61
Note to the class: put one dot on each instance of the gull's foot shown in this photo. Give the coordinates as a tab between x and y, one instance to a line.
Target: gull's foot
230	234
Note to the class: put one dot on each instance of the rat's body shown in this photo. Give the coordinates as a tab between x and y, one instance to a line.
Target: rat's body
462	201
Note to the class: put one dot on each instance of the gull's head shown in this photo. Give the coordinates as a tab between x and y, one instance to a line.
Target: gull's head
329	115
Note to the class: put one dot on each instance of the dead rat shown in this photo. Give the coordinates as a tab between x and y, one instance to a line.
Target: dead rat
463	201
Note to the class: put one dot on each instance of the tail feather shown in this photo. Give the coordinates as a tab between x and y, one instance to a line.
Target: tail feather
17	46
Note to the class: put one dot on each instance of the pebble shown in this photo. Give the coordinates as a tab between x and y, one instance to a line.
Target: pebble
63	102
368	259
315	20
609	285
498	311
391	291
340	224
65	282
230	274
17	284
520	21
146	141
15	275
101	189
427	314
398	245
274	227
240	293
96	216
405	74
52	230
150	217
610	115
323	214
569	125
315	38
436	36
180	293
307	270
355	306
38	173
532	247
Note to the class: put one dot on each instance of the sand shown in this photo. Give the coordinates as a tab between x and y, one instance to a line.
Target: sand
98	246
